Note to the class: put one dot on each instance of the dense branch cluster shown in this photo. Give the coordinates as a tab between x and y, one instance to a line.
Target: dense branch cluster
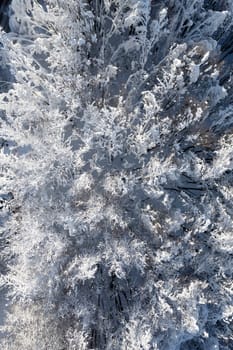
116	175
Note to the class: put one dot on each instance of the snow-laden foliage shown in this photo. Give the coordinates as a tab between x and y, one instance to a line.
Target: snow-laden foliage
116	175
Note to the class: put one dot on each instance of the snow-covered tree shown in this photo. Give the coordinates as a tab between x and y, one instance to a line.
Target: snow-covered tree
116	175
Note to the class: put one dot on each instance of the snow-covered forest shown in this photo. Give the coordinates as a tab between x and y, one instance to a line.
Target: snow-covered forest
116	187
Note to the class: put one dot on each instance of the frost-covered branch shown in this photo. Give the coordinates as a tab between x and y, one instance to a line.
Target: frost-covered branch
116	186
